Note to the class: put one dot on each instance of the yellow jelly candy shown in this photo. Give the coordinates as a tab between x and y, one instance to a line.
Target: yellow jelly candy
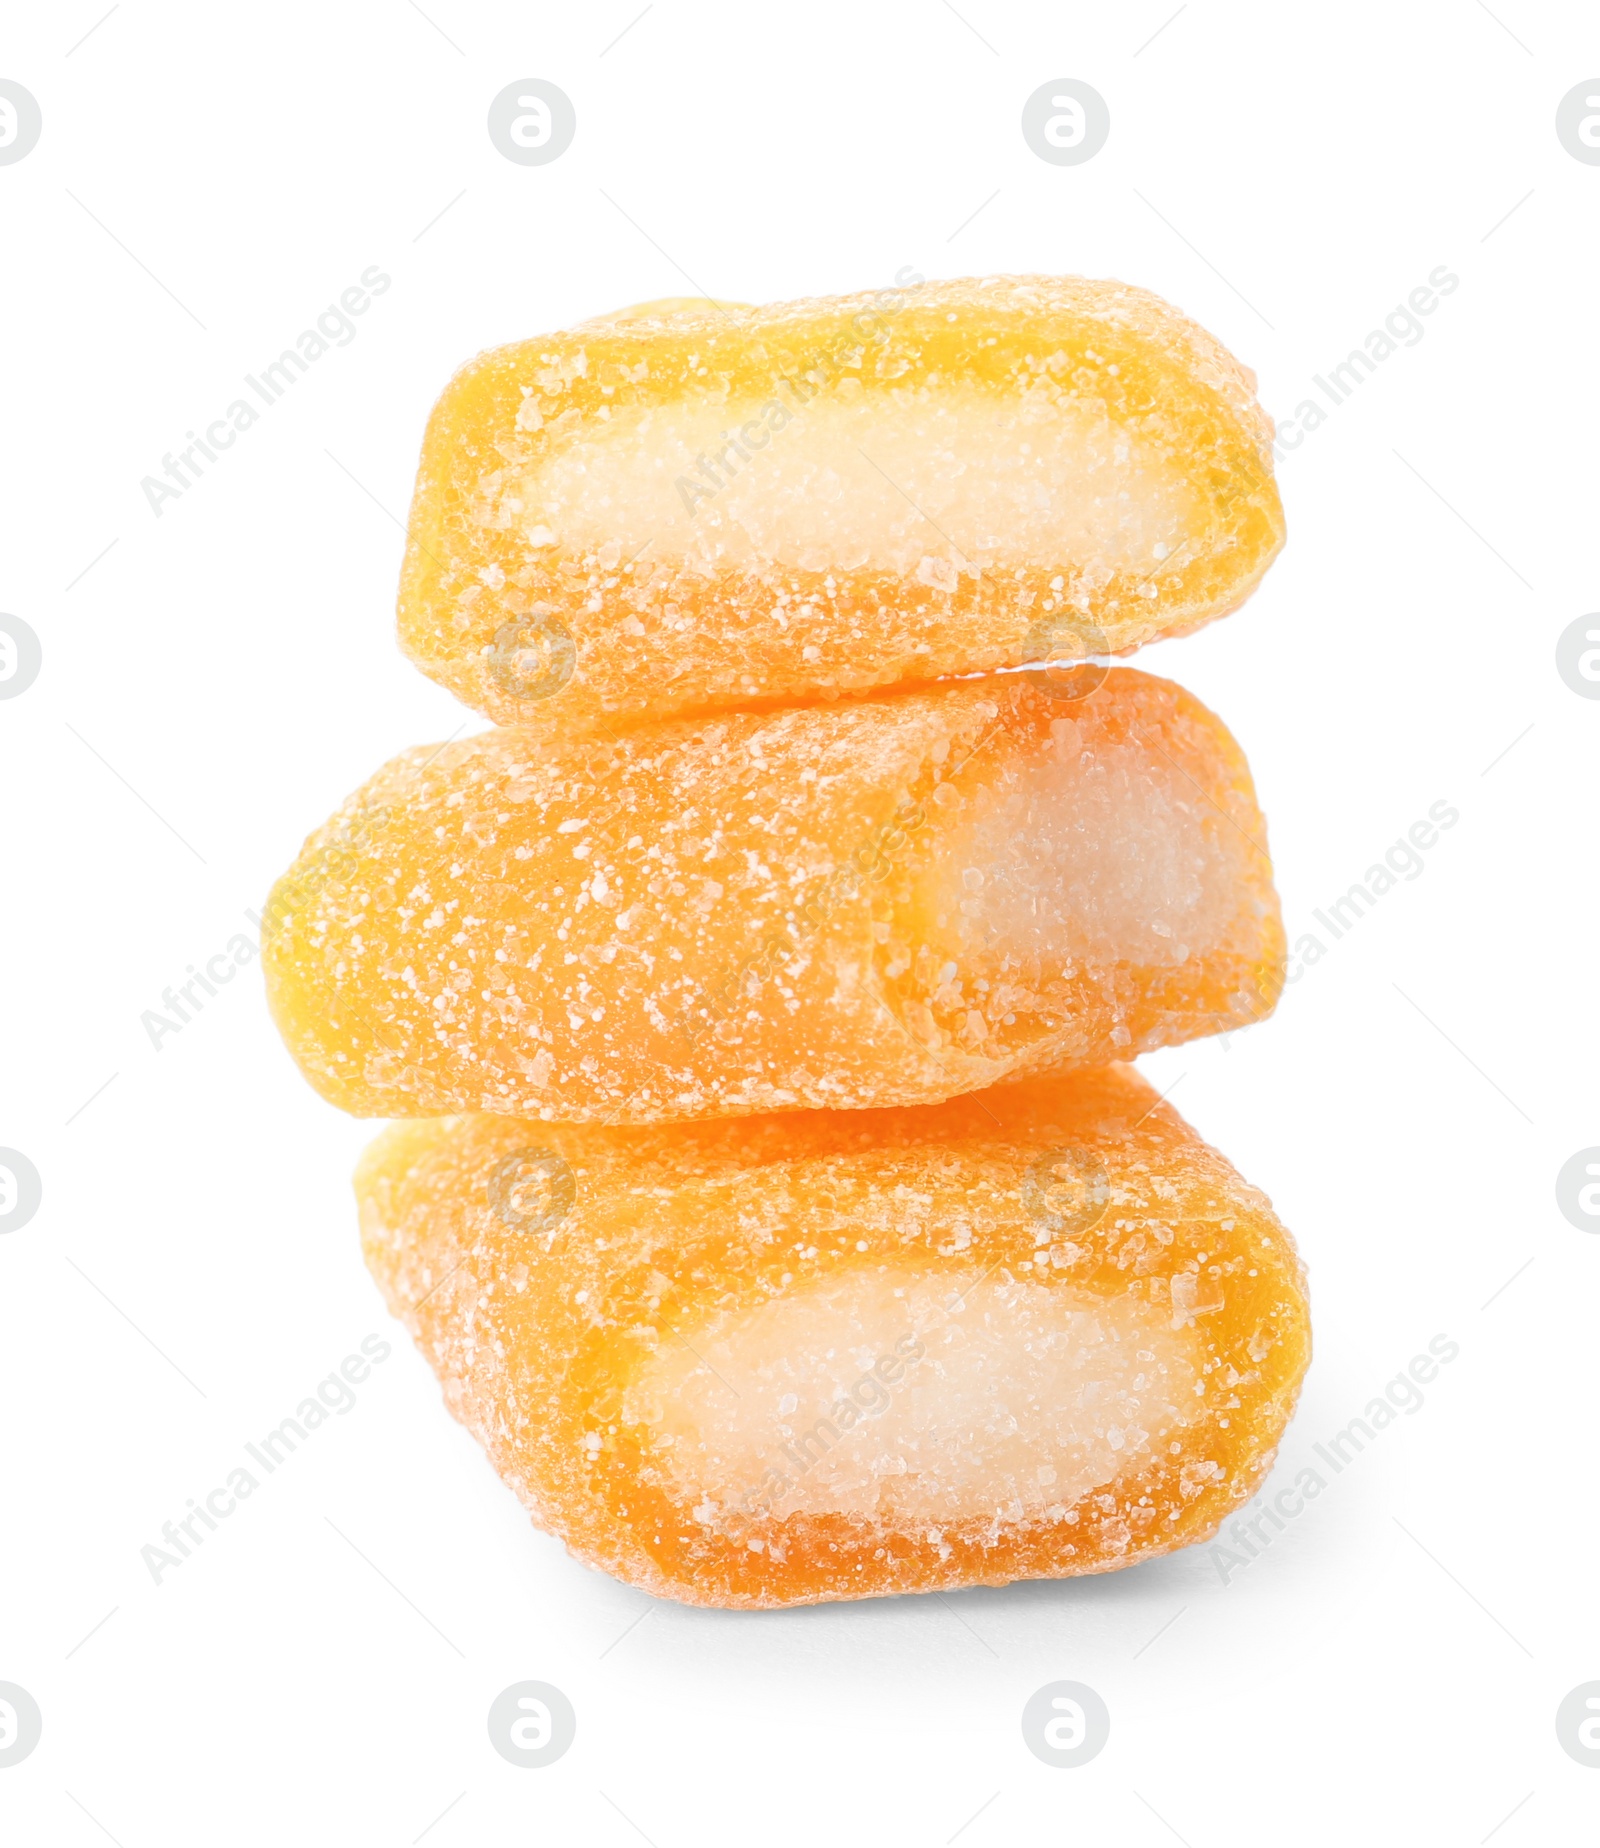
887	901
1037	1331
691	507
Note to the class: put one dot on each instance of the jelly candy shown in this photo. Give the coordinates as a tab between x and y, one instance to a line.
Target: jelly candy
1034	1332
887	901
694	507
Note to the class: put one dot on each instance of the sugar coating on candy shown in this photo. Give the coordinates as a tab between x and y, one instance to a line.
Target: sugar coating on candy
1014	1392
887	901
684	509
1038	1331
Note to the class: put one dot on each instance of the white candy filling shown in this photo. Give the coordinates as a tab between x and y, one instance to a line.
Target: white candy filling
1102	854
885	1394
924	484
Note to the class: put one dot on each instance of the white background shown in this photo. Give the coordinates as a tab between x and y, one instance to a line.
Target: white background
223	674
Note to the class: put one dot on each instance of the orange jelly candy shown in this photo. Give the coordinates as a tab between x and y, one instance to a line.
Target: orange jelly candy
887	901
687	508
1031	1333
